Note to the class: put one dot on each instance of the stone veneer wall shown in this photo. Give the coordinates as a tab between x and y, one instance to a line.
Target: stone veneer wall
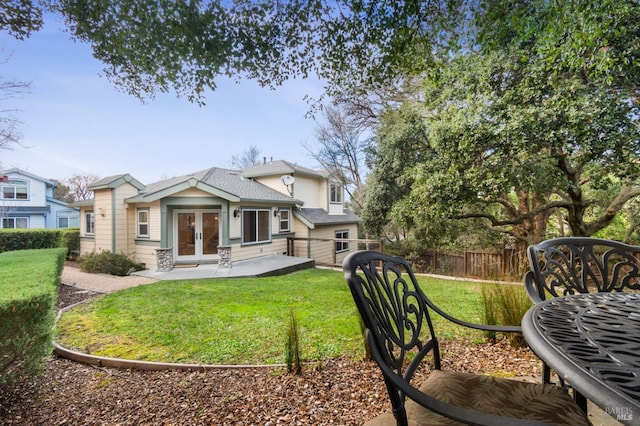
225	256
164	259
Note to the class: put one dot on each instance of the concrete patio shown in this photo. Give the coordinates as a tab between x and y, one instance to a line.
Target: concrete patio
264	266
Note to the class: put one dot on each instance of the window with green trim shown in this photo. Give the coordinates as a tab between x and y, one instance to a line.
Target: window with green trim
255	226
90	227
143	223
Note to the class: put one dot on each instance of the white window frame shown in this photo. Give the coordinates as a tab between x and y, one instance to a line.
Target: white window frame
259	212
69	216
14	184
341	247
140	223
284	223
89	223
335	195
14	221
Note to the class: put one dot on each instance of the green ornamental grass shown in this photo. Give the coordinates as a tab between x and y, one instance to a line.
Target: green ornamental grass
242	320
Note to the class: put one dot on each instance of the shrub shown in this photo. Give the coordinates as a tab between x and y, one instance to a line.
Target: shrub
506	305
29	282
35	239
70	239
29	239
490	313
108	263
292	353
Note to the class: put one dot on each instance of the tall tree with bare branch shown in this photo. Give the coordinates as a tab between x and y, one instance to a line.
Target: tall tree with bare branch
249	157
79	186
10	90
18	18
342	143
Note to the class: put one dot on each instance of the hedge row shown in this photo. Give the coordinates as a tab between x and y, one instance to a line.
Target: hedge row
28	239
29	282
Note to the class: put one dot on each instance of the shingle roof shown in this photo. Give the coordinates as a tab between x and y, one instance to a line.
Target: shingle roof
115	181
31	175
281	167
316	216
225	183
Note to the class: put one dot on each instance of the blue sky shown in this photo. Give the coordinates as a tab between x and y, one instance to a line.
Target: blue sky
77	122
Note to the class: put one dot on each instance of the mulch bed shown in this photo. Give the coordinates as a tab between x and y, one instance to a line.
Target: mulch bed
335	392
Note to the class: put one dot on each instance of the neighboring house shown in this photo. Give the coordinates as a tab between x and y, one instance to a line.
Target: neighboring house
27	201
217	215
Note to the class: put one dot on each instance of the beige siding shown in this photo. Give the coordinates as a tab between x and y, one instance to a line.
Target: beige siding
301	231
191	192
111	218
122	234
242	252
103	219
87	246
323	193
144	249
311	192
353	246
131	229
238	252
337	209
145	253
274	182
235	223
155	221
87	242
323	252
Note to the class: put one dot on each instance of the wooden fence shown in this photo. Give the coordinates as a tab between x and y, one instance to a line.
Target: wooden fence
470	264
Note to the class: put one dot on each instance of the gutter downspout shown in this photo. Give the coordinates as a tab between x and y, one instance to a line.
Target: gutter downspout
113	220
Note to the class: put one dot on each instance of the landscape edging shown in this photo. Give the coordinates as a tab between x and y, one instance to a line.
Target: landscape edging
102	361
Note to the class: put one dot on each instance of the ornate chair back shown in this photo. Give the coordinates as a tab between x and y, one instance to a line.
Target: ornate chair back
571	265
395	314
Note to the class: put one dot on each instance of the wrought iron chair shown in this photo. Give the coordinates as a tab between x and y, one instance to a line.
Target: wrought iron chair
571	265
400	333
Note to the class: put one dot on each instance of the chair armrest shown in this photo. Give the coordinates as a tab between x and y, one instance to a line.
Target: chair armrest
462	414
484	327
532	289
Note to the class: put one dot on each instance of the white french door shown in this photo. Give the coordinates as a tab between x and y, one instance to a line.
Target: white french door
196	234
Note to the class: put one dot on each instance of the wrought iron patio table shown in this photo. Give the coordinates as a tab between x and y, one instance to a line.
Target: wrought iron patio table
592	341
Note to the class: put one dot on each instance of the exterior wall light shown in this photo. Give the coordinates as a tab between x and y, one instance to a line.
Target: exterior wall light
236	212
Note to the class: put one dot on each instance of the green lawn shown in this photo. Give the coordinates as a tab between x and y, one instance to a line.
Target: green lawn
241	320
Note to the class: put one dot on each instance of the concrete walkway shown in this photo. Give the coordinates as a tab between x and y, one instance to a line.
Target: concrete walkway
258	267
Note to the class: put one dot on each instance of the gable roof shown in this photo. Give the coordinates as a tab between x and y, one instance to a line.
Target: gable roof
115	181
224	183
281	167
29	175
313	217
